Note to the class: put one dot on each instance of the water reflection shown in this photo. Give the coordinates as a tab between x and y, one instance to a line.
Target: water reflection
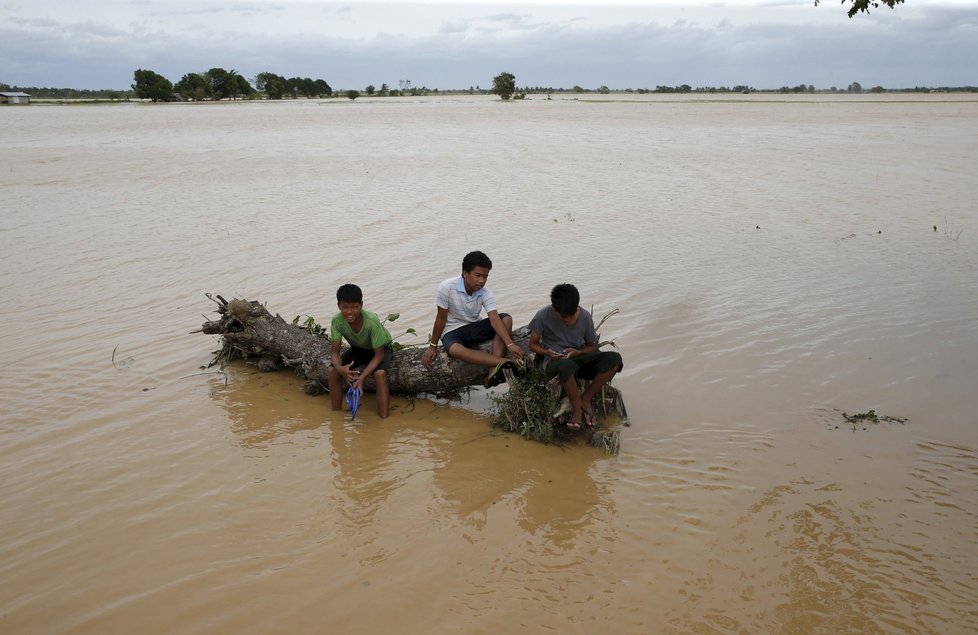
365	471
440	454
263	407
503	480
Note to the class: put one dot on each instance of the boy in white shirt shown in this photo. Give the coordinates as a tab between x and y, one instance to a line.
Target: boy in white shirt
460	301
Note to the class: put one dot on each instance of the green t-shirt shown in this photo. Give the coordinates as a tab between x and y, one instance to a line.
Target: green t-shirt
371	335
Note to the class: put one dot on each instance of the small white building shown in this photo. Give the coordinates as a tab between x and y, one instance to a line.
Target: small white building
15	98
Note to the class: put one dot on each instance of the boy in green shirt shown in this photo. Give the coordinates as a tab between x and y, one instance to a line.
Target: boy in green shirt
370	345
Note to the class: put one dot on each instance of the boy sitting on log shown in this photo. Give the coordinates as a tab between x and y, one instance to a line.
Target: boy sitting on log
563	336
370	344
460	301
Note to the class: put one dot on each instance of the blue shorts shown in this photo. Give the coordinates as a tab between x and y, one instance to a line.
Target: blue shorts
470	335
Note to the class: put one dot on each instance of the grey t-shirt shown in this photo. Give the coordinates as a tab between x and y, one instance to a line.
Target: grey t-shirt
556	335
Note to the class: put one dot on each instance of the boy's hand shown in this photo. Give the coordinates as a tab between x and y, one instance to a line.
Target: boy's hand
516	352
348	373
551	353
571	352
429	356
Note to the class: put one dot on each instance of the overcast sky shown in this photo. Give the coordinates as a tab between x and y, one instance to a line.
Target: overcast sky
461	43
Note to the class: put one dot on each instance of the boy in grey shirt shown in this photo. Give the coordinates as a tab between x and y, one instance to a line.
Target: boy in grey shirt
563	335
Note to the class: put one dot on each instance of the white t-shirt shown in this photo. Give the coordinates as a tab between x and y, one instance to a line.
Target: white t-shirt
463	308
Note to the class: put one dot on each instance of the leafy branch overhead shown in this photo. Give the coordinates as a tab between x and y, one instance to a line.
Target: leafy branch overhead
864	5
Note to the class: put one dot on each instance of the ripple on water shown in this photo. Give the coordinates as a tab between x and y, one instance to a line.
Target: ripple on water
815	555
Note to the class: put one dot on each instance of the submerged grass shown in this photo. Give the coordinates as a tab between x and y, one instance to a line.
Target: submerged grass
225	355
862	418
527	408
532	408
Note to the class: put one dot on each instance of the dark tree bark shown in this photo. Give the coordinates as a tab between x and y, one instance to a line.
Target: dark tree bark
249	330
253	332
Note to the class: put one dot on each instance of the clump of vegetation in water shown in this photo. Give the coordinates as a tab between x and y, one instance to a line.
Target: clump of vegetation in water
533	409
527	408
225	355
870	417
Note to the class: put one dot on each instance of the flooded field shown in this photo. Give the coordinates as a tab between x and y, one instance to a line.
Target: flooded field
776	263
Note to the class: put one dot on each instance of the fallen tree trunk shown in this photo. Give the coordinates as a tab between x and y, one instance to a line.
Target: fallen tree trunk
250	331
531	408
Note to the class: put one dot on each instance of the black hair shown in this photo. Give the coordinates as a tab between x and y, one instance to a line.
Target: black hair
475	259
565	298
349	293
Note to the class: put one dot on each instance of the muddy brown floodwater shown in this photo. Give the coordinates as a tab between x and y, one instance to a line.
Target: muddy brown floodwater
777	261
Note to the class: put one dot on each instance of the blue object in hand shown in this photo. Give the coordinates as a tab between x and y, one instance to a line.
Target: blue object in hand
353	400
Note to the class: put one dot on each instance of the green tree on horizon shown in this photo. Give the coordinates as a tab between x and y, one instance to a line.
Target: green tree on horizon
271	84
227	84
504	85
150	85
193	86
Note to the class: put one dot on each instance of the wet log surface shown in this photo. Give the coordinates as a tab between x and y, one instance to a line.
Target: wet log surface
254	333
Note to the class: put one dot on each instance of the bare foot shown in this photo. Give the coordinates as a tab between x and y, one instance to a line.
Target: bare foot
588	417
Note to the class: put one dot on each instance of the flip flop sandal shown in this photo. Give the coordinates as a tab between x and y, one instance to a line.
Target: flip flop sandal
496	377
574	425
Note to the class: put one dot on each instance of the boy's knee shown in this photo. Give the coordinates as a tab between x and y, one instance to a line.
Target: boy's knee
613	362
508	321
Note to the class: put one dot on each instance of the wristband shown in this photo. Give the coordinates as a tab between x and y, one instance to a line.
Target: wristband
511	344
430	343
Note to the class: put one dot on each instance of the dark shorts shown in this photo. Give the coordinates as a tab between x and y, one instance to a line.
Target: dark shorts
586	366
362	356
470	335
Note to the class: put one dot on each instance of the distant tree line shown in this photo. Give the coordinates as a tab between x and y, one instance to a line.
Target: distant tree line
854	87
218	83
66	93
195	86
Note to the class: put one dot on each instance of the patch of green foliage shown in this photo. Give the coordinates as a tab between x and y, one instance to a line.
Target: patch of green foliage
527	409
504	85
309	324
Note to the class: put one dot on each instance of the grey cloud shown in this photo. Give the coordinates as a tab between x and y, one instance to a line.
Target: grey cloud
453	27
37	23
509	18
470	52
